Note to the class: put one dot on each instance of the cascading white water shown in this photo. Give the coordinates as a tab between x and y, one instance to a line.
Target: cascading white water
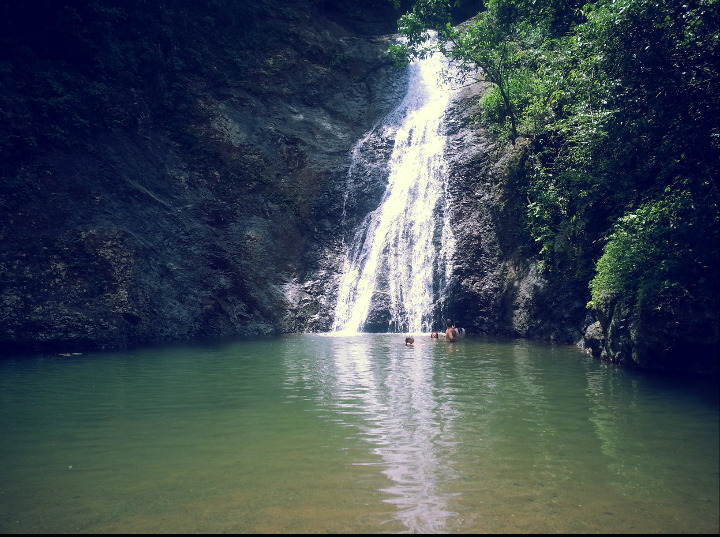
402	250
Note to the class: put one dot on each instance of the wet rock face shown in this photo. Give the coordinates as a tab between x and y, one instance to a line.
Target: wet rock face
130	238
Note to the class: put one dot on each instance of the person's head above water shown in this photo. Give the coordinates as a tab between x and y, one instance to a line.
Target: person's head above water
449	323
409	340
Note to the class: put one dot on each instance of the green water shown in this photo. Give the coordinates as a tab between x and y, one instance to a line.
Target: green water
353	434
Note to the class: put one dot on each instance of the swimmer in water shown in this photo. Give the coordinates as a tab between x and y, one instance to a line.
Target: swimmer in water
451	335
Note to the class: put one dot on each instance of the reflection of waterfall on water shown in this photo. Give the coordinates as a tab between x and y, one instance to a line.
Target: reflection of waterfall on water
402	406
401	252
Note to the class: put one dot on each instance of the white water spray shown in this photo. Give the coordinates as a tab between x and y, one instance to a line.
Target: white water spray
401	252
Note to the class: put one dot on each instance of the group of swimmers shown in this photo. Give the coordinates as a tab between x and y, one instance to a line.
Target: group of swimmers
452	334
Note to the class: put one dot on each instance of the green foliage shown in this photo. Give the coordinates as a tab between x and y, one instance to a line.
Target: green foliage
658	252
619	99
504	44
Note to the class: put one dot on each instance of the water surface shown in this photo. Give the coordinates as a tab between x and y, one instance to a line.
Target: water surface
353	434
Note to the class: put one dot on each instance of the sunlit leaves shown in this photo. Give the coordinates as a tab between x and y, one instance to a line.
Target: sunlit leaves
654	249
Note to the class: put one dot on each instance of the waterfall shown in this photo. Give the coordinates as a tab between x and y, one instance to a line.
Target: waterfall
399	259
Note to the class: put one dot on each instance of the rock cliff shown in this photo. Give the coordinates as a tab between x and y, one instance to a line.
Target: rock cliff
221	221
207	196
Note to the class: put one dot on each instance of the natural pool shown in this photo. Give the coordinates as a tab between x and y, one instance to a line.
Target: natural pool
353	434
